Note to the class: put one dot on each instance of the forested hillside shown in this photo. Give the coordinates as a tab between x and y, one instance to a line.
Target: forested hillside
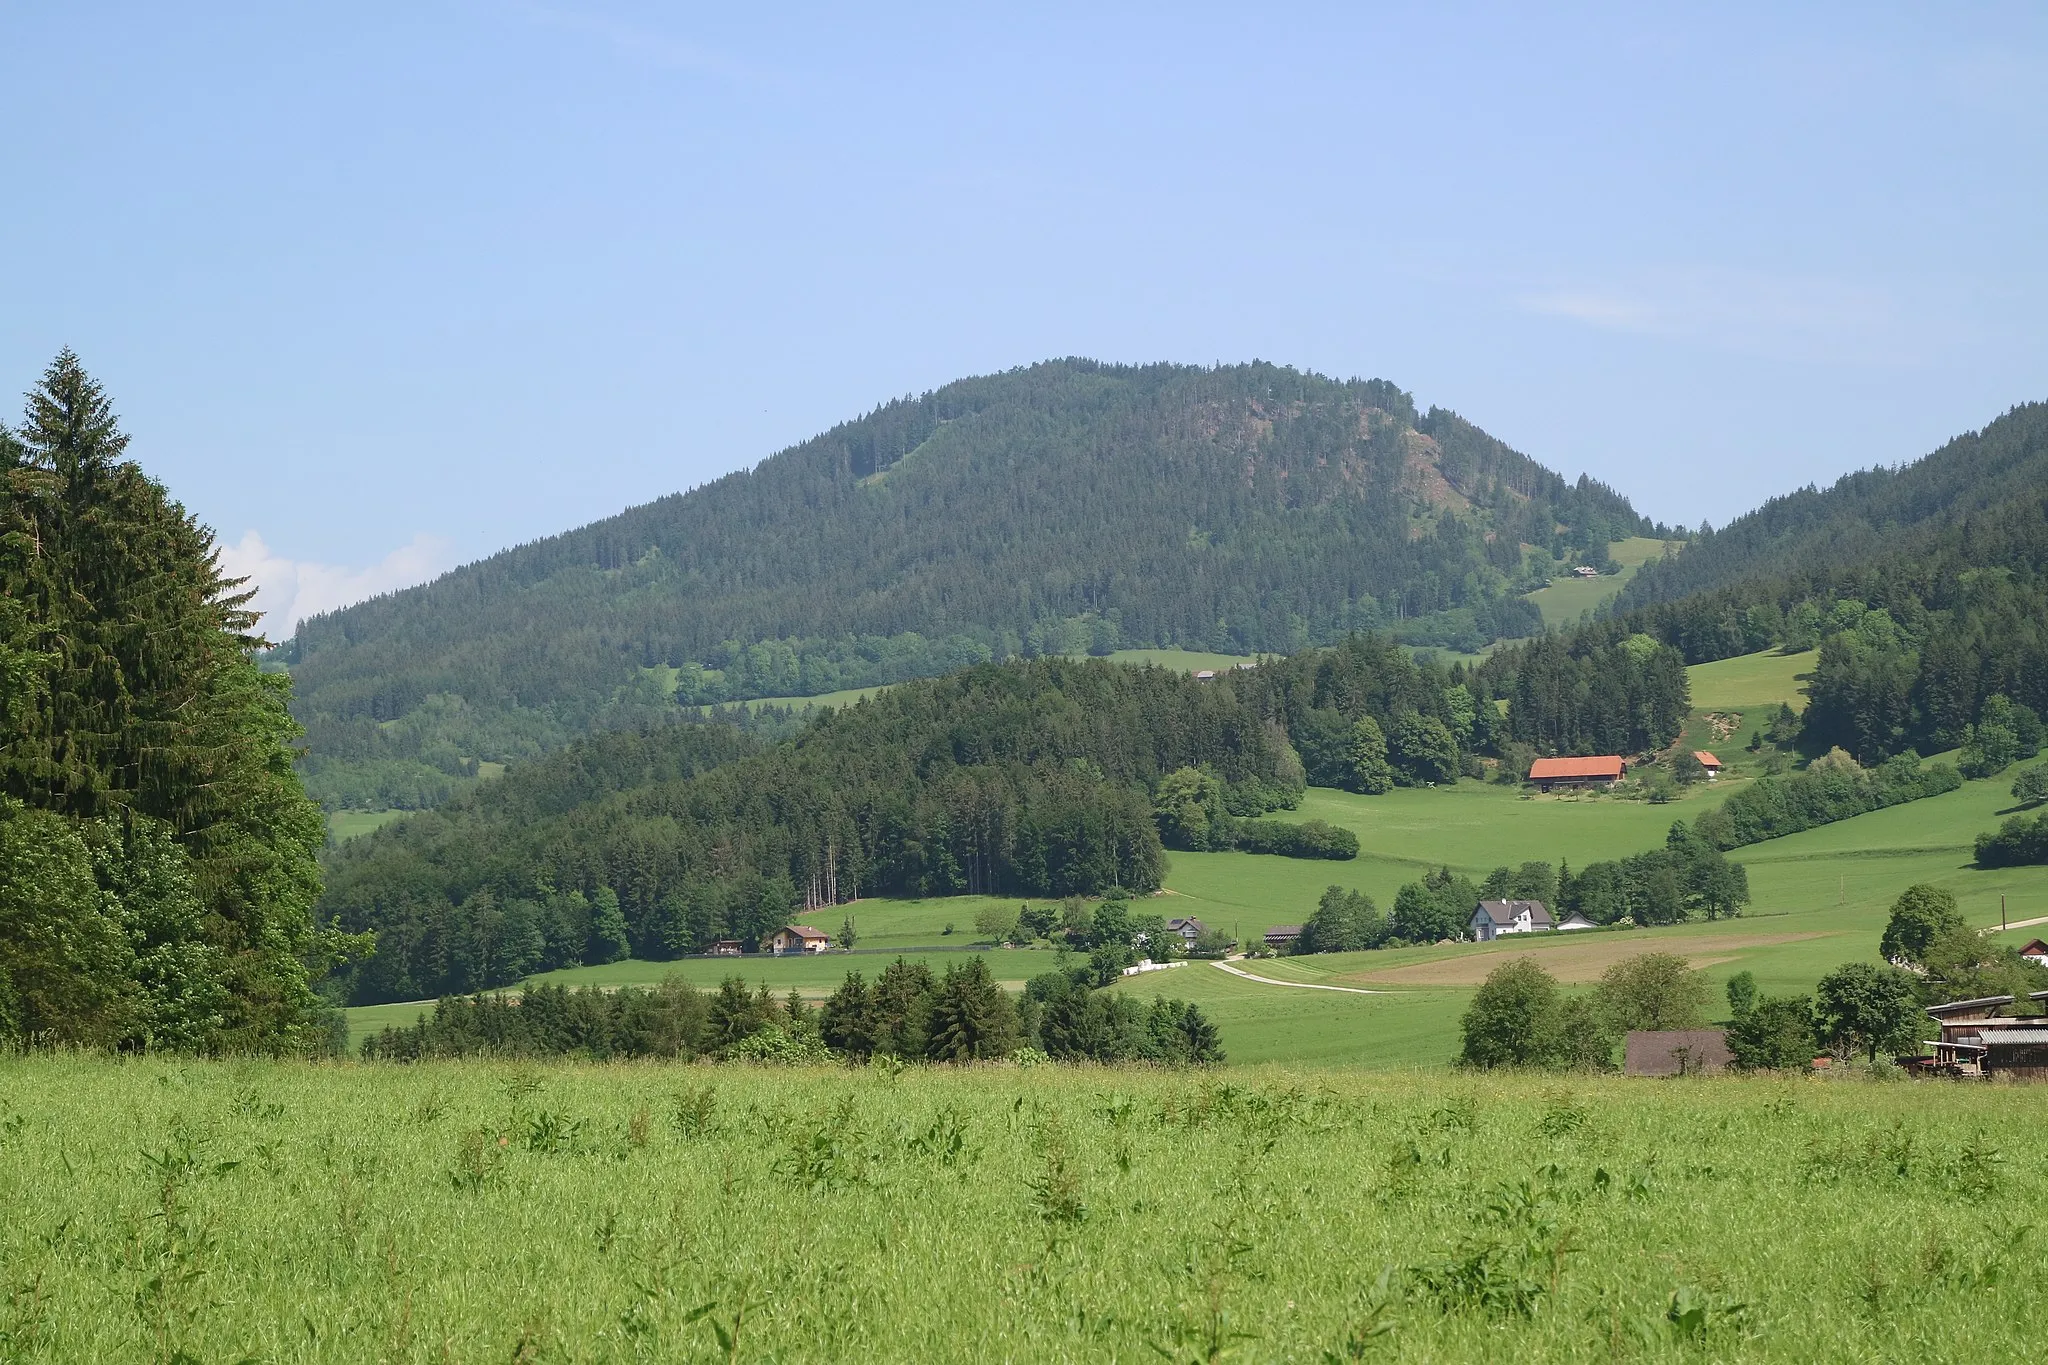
1936	504
1041	778
157	854
1065	508
1030	777
1924	589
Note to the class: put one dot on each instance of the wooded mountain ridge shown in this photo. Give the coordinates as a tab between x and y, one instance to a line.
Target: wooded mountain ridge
1924	587
1062	508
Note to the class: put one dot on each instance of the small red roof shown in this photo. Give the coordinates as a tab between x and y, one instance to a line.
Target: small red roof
1607	765
2035	949
1706	759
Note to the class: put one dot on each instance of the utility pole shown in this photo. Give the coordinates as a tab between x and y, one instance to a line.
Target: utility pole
2001	910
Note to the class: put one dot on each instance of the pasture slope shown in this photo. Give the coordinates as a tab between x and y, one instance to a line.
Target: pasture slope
1565	600
1820	899
165	1210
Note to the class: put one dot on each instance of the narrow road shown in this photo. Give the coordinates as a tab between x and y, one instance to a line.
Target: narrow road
2018	924
1298	985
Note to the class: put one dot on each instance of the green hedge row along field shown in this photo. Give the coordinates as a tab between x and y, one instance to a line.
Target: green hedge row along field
166	1211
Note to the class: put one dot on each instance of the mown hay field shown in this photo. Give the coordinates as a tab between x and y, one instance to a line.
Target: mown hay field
163	1210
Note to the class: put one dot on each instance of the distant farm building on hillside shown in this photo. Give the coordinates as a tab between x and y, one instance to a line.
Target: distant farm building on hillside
798	938
2036	951
728	947
1575	920
1585	571
1572	773
1189	930
1709	762
1281	935
1491	919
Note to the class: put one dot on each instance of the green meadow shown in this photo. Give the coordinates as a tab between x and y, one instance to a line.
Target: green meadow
1569	598
343	825
1752	680
174	1211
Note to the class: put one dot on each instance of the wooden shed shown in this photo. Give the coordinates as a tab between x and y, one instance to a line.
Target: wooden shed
1676	1052
1976	1042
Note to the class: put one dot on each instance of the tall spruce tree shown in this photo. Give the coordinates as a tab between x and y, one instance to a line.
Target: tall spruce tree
131	707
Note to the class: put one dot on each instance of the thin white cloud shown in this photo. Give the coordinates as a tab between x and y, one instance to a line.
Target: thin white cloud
1598	310
288	590
648	46
1784	317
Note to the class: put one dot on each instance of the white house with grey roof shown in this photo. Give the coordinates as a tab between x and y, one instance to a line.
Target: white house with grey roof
1491	919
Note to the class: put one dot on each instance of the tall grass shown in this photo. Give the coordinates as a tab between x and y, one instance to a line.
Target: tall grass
159	1210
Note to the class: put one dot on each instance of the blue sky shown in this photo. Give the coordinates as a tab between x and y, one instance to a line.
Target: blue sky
382	288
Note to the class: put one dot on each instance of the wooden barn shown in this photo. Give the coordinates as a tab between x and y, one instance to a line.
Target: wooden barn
1571	773
1976	1042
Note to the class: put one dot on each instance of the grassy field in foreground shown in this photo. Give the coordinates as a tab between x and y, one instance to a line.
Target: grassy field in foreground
1567	599
162	1210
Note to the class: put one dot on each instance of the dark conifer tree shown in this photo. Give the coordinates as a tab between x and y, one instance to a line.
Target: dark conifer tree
131	696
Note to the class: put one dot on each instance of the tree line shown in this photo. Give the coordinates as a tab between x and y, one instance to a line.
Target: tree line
1831	787
158	857
1686	879
2021	839
908	1013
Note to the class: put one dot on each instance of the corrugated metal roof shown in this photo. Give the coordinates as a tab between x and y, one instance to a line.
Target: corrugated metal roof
2014	1036
1953	1005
